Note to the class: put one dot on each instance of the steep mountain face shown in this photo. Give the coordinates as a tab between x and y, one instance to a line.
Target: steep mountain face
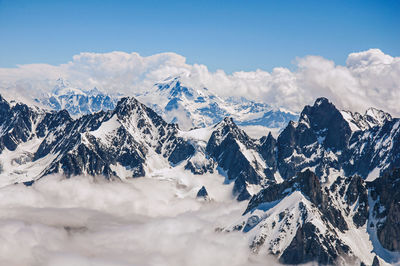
17	124
372	118
325	216
374	151
302	220
315	141
238	156
323	140
96	143
385	210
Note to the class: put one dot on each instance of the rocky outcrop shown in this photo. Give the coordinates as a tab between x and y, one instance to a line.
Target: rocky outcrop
203	194
228	145
307	247
385	191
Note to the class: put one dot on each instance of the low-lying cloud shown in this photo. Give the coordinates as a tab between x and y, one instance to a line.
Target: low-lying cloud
82	221
369	78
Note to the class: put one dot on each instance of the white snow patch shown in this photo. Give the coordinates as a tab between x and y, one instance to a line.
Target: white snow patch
373	174
106	128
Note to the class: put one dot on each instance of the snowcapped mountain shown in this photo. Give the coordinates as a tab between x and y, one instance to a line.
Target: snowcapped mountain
76	101
323	190
372	117
176	103
199	107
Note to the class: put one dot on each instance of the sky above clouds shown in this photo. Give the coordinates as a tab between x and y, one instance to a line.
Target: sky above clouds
221	34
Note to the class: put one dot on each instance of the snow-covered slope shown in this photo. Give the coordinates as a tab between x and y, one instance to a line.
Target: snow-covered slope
301	220
372	118
77	101
199	107
315	192
176	103
129	141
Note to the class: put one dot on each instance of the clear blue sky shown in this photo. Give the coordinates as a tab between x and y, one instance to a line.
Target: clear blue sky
230	35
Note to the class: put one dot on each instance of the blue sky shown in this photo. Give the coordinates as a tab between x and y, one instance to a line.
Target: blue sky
228	35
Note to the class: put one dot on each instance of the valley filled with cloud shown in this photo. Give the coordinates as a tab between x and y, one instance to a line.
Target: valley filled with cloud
146	221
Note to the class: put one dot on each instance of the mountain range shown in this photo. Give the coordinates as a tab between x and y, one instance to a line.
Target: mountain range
176	103
325	190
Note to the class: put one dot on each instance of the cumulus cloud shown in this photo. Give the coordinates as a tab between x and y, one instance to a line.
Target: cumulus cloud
84	221
369	78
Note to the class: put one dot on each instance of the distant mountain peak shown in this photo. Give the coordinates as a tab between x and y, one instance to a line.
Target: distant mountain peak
199	106
372	117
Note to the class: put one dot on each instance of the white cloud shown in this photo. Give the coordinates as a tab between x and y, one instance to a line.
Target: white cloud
369	78
79	221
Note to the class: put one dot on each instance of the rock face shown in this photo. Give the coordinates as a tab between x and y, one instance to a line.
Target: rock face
307	246
385	192
300	220
203	194
94	144
287	219
123	137
17	124
373	149
317	140
227	145
372	118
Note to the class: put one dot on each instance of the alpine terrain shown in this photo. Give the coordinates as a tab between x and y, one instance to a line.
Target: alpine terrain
175	103
325	190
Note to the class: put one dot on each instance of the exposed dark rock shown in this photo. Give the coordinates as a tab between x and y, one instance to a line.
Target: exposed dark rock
306	247
182	151
200	168
386	190
224	148
357	190
375	261
203	194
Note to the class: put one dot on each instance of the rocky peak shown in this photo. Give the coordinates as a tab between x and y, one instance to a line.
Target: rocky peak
4	109
203	194
174	88
328	124
268	150
126	104
376	117
237	154
228	129
129	109
372	117
62	87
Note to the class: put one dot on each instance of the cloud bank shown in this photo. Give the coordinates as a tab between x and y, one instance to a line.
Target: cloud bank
369	78
81	221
